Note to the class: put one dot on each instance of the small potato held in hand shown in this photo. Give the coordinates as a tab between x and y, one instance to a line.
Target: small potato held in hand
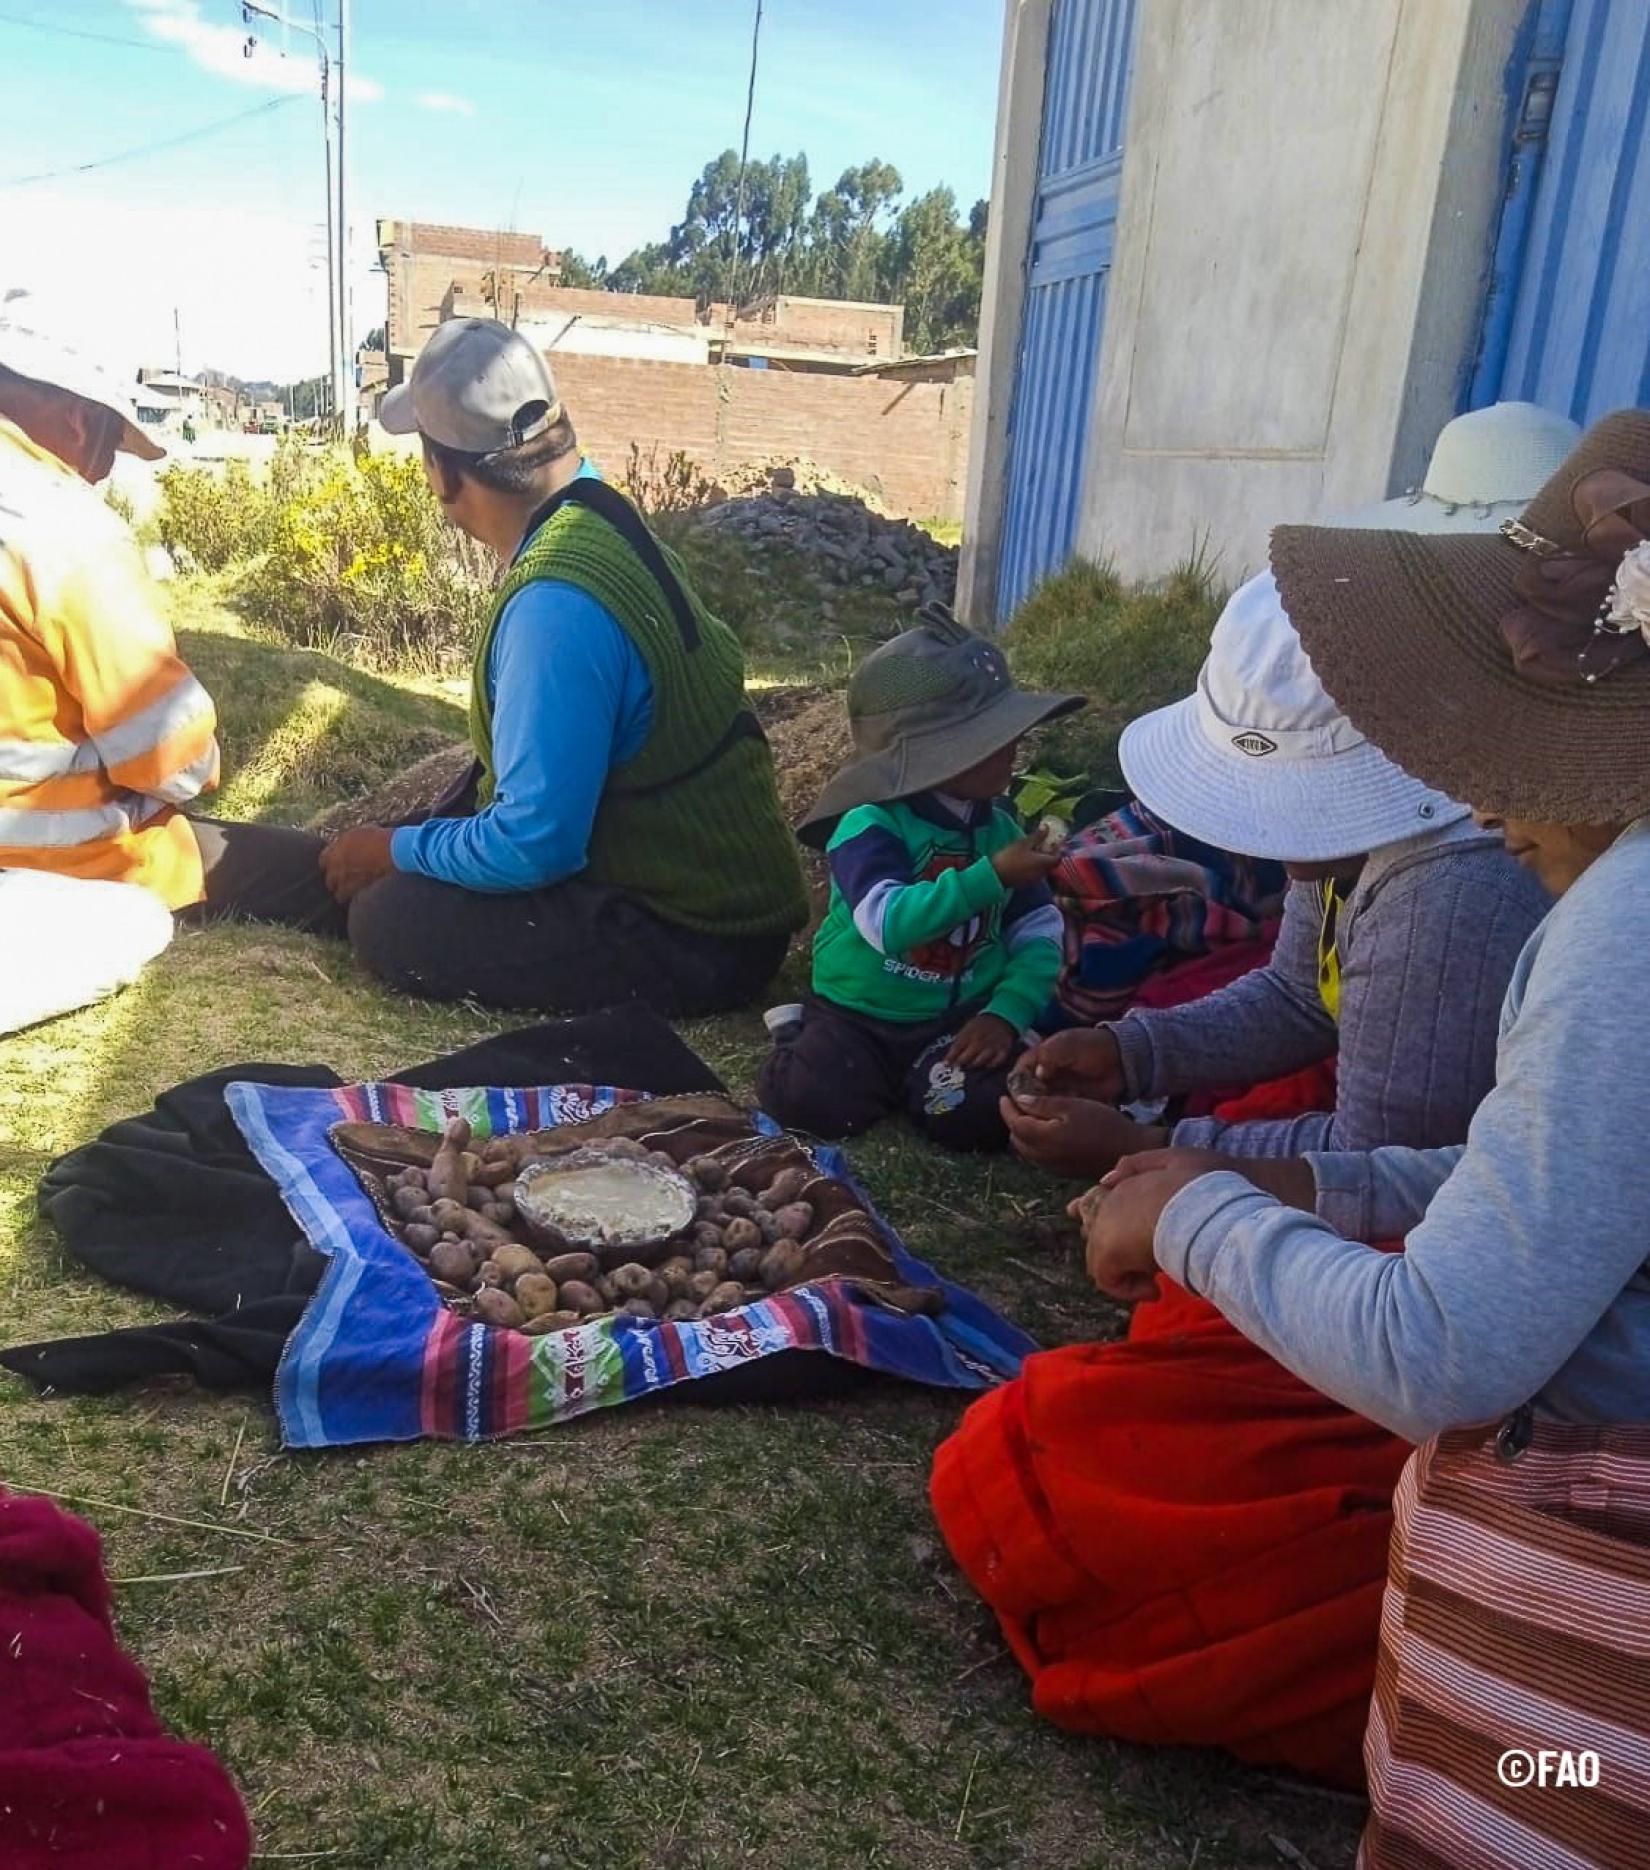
1024	862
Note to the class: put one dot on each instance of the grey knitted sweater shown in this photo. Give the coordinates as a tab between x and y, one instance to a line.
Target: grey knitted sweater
1527	1279
1427	939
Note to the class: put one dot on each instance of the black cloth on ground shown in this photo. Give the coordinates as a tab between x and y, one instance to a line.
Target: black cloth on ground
172	1204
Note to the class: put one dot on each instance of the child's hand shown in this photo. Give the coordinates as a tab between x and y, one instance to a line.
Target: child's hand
986	1042
1024	862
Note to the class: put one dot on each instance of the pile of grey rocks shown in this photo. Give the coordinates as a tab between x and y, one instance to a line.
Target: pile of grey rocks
849	543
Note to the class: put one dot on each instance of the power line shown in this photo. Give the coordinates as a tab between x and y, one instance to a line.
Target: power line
77	32
151	149
744	159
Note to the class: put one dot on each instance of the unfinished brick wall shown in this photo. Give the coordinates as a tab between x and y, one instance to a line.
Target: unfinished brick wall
490	246
544	301
907	442
424	261
844	326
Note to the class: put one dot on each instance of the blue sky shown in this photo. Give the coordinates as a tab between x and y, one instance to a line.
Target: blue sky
582	122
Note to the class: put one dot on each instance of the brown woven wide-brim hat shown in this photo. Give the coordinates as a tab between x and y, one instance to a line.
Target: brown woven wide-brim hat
1507	669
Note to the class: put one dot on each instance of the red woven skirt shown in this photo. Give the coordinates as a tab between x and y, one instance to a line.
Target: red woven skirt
1184	1543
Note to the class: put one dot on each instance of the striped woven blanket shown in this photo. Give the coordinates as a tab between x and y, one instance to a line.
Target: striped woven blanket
1139	897
378	1357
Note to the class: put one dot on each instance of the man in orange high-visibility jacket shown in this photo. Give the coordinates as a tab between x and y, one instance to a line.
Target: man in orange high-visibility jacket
104	732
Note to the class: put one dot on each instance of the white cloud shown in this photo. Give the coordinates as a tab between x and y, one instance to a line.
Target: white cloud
278	61
248	285
445	101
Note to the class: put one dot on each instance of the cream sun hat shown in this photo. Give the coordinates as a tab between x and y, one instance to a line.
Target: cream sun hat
28	351
1485	466
1260	760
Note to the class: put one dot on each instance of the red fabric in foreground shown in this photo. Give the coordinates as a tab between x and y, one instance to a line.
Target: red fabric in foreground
1184	1543
88	1780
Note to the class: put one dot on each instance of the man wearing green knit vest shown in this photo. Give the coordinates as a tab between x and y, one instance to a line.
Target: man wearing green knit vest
620	836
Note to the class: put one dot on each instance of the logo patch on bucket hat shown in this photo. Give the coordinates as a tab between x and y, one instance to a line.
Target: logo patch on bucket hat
1257	746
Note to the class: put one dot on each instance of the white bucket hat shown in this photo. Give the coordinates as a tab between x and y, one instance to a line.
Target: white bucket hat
1486	467
1261	761
27	351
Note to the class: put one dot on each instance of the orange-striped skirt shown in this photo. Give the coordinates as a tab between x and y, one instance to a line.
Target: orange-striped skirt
1511	1723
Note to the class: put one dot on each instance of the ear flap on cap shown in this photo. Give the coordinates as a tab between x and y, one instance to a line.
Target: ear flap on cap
940	619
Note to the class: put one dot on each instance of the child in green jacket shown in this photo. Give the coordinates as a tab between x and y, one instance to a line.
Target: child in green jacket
941	943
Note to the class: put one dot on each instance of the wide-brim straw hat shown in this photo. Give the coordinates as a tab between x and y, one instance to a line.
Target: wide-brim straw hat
1486	466
1511	669
1261	760
928	705
28	352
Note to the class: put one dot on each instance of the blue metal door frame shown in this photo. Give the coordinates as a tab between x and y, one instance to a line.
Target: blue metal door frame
1566	322
1074	219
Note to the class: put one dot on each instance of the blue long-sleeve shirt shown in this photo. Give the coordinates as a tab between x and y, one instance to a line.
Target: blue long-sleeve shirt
572	698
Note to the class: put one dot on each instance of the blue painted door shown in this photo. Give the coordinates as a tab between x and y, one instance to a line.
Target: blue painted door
1074	221
1568	320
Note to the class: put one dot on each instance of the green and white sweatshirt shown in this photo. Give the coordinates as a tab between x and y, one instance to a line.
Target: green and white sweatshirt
920	923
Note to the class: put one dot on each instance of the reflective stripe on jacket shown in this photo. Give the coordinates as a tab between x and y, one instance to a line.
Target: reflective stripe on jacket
104	731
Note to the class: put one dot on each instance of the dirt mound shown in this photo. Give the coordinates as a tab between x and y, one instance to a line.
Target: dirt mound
799	476
402	797
807	728
808	731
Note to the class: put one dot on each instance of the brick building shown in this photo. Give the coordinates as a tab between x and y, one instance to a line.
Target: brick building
785	378
423	261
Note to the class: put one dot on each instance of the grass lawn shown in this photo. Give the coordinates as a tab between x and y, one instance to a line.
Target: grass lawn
664	1637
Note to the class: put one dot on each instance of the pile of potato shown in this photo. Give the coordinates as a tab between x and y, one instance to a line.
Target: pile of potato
459	1220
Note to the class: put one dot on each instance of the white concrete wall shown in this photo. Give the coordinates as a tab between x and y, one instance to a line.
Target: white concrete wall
1008	238
1310	191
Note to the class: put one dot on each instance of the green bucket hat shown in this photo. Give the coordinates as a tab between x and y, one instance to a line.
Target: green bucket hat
923	708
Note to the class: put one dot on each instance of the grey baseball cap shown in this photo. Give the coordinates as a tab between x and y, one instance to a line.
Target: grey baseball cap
478	387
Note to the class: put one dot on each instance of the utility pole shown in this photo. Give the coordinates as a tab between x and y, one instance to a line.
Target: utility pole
346	403
250	11
332	263
177	341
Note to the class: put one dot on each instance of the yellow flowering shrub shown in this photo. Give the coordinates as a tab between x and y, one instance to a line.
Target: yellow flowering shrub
334	552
